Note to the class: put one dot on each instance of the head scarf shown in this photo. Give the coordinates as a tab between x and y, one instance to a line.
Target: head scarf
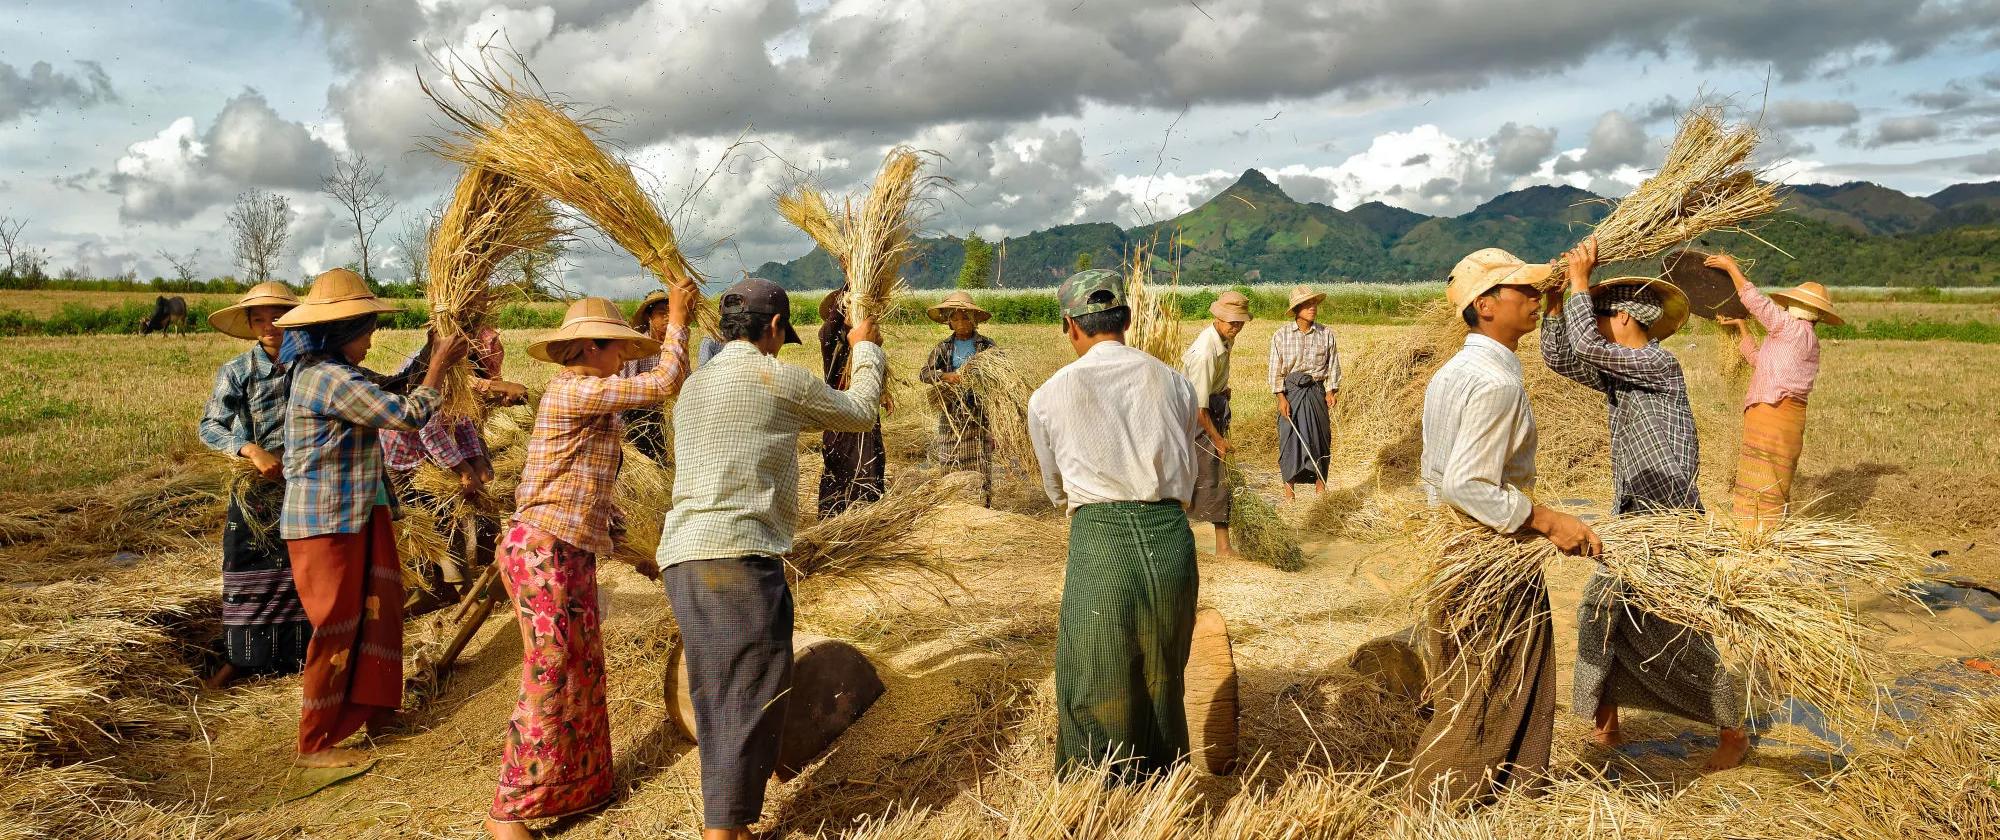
324	339
1641	303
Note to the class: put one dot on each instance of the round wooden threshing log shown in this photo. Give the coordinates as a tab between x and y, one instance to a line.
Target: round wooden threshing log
1210	695
1392	662
832	685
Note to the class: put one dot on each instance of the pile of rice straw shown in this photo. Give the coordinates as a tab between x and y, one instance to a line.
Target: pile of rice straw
1778	604
490	218
1255	528
1156	320
883	537
871	240
507	128
995	380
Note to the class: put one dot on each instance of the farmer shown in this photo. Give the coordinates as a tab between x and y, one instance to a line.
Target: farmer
1607	337
338	509
645	426
961	432
1115	433
736	432
1494	726
264	629
452	443
1206	365
1774	408
855	461
558	753
1305	375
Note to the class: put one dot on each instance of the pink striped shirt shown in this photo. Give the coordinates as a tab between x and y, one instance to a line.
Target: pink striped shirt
1789	360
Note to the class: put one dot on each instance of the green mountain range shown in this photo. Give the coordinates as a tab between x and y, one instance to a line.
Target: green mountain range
1252	232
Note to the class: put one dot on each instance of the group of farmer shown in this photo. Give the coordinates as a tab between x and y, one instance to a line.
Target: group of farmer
1131	448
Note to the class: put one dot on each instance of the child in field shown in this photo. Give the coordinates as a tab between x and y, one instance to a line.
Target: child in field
264	629
558	753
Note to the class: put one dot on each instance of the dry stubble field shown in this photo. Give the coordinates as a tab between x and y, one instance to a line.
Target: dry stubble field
1900	437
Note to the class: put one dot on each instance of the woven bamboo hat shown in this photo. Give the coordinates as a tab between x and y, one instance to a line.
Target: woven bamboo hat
335	295
958	300
234	319
642	317
1812	296
1673	303
1303	295
594	317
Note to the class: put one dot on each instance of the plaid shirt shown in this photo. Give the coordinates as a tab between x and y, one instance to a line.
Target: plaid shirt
577	445
448	442
333	465
736	441
247	405
1654	452
1313	351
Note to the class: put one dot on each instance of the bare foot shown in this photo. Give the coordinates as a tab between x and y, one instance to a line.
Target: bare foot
386	724
1732	746
507	830
1319	488
1288	493
1606	733
335	757
220	678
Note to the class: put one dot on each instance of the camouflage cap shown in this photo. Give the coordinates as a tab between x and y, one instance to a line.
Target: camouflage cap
1079	295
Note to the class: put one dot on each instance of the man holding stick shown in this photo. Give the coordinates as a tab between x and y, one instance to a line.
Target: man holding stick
736	498
1206	365
1305	375
1495	723
1607	338
1114	432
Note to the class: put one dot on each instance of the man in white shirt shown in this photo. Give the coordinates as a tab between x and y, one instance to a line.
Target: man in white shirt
1492	731
1206	364
1114	432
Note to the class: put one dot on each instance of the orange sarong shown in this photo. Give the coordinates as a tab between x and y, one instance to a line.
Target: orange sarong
352	589
1773	434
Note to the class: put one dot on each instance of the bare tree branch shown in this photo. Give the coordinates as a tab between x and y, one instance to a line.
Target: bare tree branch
10	240
260	223
183	266
358	189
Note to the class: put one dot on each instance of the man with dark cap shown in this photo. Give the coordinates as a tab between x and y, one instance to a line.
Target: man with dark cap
1114	432
736	497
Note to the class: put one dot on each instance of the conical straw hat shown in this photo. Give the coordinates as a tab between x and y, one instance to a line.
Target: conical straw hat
234	320
336	295
594	317
1673	303
958	300
1811	295
1302	295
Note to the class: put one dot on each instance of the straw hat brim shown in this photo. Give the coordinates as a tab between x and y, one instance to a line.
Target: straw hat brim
942	312
1526	274
234	321
1673	303
308	313
1801	297
1309	300
641	346
641	317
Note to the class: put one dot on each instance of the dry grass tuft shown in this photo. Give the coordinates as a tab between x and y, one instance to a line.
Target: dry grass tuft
491	217
1255	527
1156	321
871	239
996	381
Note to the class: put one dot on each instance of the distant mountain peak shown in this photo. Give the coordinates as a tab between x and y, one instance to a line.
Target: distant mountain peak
1255	183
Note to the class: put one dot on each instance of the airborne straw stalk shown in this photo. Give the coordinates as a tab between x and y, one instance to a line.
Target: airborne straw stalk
491	218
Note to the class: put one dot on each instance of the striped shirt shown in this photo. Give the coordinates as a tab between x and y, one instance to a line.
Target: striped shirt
1206	364
736	441
1788	362
1479	436
1116	425
247	405
1313	351
1654	453
333	464
576	447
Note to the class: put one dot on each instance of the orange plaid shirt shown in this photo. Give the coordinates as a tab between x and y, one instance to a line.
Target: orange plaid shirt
577	446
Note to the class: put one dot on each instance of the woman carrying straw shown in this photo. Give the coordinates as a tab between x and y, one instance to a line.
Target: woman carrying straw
646	426
1495	719
856	462
961	432
264	629
1304	373
558	754
1607	337
1774	408
338	509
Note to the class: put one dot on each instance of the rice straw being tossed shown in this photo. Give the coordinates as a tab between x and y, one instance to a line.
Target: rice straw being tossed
1260	533
996	383
872	240
491	217
522	134
1156	323
871	539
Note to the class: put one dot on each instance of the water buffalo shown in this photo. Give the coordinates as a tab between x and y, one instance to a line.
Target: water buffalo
168	313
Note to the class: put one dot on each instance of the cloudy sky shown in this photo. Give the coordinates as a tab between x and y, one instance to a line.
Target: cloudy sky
127	129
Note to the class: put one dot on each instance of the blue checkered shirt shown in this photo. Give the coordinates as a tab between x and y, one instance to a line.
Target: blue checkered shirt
247	405
333	465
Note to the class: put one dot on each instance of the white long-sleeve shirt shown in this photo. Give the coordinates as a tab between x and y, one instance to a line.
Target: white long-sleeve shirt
1479	436
1116	425
1206	364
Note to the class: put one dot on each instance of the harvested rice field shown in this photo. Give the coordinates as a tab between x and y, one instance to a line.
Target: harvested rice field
110	613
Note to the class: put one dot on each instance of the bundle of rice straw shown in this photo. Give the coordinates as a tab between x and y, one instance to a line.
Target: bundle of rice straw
1255	528
871	241
491	217
522	134
1156	320
1778	604
870	539
1476	592
995	380
1729	361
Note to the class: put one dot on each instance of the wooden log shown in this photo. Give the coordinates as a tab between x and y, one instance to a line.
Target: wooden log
1392	662
1210	695
833	683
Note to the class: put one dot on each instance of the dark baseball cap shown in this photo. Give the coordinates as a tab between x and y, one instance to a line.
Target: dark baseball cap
758	296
